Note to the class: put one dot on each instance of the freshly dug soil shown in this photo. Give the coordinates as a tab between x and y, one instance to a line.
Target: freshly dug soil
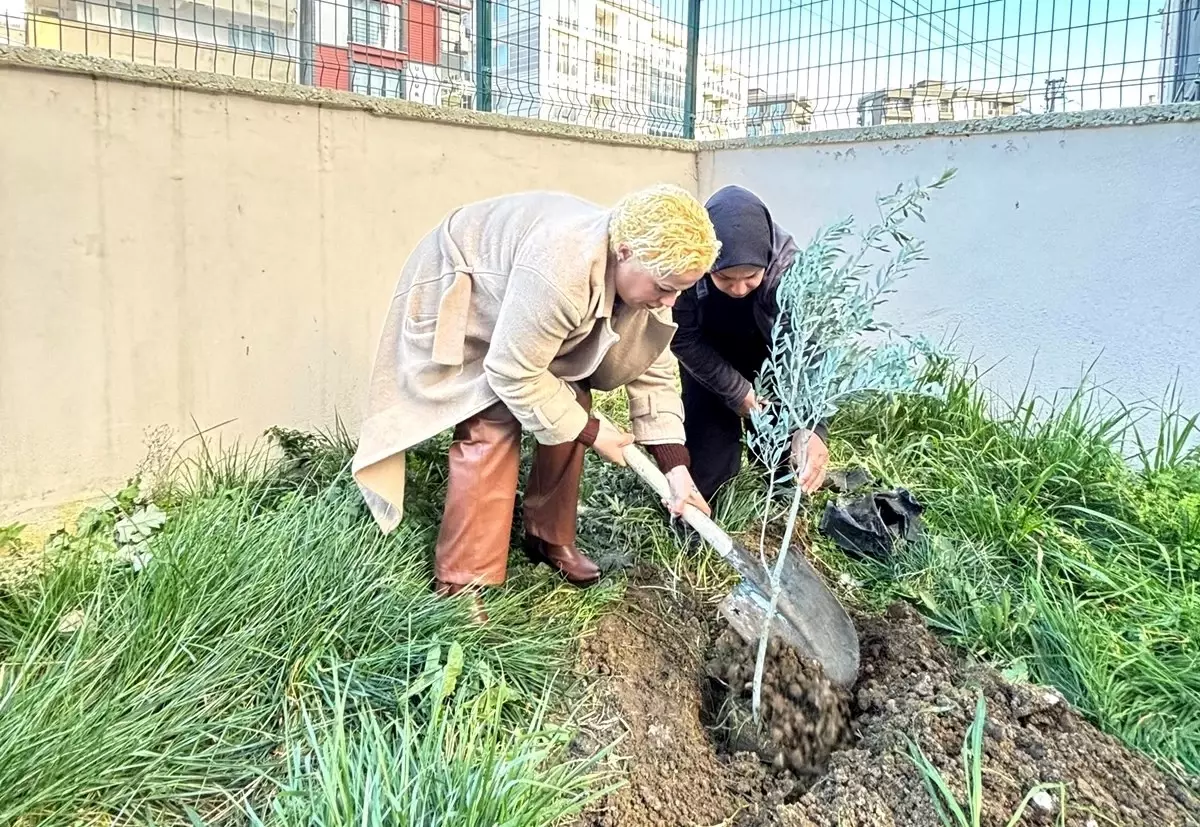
803	716
911	684
672	683
648	658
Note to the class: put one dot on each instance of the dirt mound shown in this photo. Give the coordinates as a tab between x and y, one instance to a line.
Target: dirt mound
911	685
672	682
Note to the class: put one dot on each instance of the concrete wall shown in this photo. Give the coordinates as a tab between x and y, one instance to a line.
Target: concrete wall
1053	246
179	248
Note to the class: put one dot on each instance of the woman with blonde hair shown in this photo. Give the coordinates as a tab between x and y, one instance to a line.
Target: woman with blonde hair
506	316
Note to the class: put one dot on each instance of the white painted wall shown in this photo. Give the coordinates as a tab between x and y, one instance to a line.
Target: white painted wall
1049	248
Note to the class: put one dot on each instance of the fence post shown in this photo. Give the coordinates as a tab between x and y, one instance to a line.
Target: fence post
308	13
483	54
693	55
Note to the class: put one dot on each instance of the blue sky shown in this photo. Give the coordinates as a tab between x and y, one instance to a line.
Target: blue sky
833	51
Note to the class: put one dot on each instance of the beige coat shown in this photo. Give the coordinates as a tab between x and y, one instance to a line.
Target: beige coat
509	299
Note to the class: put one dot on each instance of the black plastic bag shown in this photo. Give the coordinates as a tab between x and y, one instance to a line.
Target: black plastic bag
868	525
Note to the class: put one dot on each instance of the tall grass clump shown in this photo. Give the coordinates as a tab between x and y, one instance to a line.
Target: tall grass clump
455	763
1047	550
269	642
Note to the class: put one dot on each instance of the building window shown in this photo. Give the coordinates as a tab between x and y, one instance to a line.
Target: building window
366	22
566	55
640	80
502	56
454	43
241	37
121	15
666	89
606	24
250	39
374	80
568	14
501	15
605	69
377	24
146	19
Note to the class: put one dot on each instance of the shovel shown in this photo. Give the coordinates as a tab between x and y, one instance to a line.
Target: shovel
807	616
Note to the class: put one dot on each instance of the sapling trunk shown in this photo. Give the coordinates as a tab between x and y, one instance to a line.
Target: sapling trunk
761	660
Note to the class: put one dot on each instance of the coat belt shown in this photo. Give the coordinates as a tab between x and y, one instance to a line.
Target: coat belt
454	309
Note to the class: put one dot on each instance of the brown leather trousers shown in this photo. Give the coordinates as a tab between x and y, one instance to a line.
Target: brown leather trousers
472	545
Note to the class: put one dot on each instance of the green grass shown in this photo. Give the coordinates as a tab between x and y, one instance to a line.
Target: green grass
1047	549
278	654
969	812
280	662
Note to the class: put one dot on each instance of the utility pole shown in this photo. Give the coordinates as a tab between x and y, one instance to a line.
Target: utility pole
1056	92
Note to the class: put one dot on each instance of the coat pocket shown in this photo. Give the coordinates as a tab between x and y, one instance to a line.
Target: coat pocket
551	414
419	330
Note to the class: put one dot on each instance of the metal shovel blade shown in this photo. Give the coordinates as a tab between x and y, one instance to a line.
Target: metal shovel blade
808	616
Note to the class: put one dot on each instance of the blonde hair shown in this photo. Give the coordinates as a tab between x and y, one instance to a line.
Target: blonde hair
667	229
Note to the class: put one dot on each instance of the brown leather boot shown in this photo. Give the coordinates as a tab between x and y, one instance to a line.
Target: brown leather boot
569	561
476	529
478	613
551	501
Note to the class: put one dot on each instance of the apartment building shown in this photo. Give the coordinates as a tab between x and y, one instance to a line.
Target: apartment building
930	101
668	78
610	64
720	88
1181	51
723	106
585	62
777	114
411	49
245	38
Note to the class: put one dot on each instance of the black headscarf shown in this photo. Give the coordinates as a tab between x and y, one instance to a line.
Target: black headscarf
744	228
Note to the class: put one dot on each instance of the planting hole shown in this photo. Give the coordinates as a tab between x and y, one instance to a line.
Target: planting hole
804	717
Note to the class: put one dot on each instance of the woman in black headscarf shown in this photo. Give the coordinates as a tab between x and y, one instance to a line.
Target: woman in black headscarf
725	322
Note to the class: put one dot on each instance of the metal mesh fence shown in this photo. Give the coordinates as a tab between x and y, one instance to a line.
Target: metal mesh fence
821	64
704	68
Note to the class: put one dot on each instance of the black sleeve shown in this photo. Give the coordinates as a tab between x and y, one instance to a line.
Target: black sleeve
700	359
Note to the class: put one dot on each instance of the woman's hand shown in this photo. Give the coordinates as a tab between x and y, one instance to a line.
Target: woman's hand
811	449
751	403
683	492
610	442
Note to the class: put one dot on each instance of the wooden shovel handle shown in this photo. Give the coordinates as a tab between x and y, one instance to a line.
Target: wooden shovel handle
648	470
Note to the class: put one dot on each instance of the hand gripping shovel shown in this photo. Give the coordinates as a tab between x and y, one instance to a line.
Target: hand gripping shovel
807	616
